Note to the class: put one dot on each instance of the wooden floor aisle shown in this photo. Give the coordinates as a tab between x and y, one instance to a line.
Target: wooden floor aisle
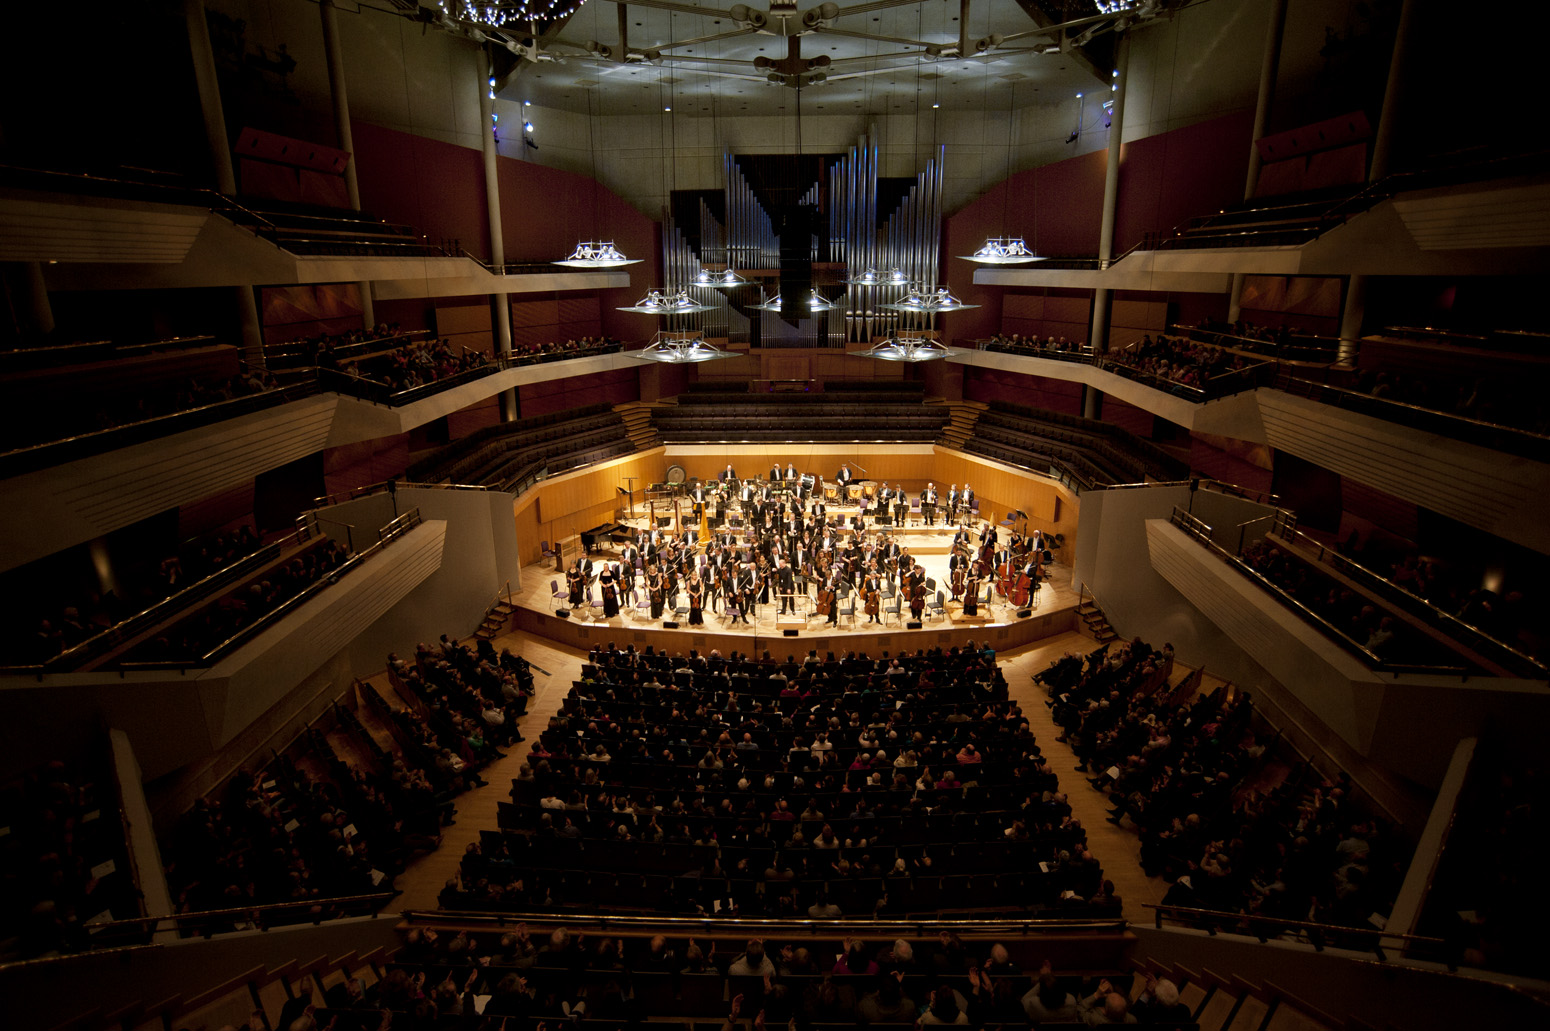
1118	849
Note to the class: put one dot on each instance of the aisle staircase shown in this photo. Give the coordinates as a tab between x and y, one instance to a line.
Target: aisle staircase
960	426
637	423
1093	618
278	993
496	617
1220	1003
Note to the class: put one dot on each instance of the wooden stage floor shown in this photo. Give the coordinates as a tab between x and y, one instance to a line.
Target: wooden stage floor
1053	611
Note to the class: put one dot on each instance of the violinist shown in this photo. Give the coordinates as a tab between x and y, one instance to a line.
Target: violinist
696	600
656	591
971	594
608	585
575	582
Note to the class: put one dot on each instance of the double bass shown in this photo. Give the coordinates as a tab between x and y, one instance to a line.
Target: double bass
873	601
1022	590
824	604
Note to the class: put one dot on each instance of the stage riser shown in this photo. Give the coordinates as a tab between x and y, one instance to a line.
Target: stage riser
579	633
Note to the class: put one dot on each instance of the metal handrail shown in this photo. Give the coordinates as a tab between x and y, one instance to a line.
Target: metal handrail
1428	611
1190	525
723	925
386	535
1496	436
1316	933
205	922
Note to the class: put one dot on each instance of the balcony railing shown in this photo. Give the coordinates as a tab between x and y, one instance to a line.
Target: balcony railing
1319	936
1203	534
211	922
385	536
1496	437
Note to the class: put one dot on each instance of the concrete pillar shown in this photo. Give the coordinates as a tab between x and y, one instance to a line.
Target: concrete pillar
1355	311
220	159
1103	298
341	98
210	96
1393	94
500	308
1274	33
40	311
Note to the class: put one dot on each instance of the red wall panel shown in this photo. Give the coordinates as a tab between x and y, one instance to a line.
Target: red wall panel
436	187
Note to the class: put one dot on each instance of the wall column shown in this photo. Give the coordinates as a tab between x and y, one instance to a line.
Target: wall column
1103	298
1355	311
500	305
341	97
40	311
220	159
1274	33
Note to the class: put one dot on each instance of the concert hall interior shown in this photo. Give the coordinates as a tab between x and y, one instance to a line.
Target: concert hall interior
571	511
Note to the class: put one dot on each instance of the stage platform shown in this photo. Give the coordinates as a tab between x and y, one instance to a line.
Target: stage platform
1053	611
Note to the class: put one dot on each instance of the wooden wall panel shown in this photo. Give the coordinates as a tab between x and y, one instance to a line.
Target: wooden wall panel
463	318
572	502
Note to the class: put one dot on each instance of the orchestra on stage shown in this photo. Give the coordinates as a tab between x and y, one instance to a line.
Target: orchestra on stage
733	544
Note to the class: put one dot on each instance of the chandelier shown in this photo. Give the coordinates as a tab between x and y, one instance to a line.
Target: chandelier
1003	250
933	301
726	277
885	277
816	302
667	302
681	349
909	349
601	254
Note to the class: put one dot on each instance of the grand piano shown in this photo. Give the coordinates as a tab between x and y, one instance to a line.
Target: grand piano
616	533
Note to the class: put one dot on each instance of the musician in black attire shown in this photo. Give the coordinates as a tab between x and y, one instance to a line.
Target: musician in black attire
785	586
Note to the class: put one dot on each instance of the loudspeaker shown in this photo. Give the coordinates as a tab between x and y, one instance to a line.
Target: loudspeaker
789	633
913	624
668	624
562	613
1024	613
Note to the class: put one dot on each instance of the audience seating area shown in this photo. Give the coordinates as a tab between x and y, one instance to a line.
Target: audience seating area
513	455
54	393
849	411
1093	453
305	229
1231	823
1279	221
194	636
64	862
71	613
1376	629
360	792
824	787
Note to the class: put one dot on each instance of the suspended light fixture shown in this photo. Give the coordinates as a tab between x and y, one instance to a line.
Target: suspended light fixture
667	302
1003	250
599	254
681	349
720	279
934	300
595	253
816	302
885	277
909	349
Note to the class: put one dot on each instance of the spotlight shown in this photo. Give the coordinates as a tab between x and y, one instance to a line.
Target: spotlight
1072	137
